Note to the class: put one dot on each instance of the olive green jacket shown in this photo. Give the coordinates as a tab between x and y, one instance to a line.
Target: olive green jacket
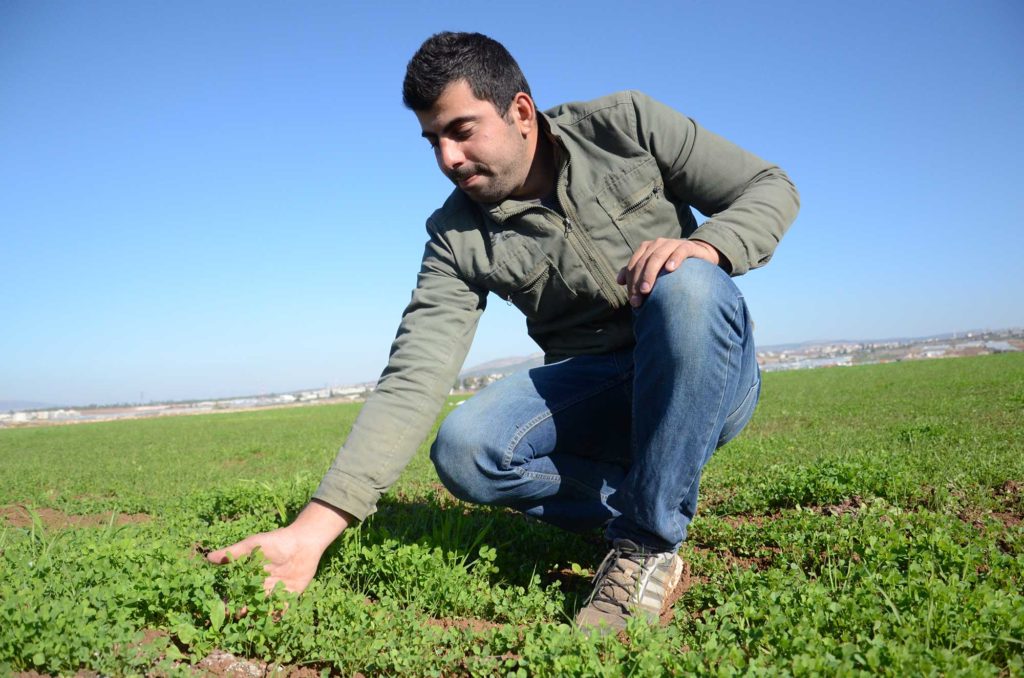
630	169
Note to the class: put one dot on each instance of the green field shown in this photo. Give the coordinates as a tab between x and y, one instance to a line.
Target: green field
868	521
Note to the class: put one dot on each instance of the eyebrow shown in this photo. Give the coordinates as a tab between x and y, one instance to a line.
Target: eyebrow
451	125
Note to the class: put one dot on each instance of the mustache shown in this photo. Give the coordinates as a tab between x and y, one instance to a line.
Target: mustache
465	172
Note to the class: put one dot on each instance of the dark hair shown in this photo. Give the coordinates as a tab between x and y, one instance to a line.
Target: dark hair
447	57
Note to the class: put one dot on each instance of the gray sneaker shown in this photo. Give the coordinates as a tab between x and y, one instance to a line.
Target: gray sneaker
630	581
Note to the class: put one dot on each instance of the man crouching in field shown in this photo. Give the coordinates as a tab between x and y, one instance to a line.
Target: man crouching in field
580	216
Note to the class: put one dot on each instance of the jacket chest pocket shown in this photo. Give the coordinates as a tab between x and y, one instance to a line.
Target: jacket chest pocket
636	203
522	275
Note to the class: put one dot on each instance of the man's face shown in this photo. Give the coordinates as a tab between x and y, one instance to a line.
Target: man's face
484	153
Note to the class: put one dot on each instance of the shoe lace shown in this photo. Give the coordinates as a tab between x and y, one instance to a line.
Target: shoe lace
614	584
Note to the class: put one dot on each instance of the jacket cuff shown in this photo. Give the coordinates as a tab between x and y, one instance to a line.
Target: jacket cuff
343	492
727	243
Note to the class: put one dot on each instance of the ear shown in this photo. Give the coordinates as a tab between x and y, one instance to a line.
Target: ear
523	113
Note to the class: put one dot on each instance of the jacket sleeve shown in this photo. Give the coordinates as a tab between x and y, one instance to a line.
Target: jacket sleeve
749	202
433	338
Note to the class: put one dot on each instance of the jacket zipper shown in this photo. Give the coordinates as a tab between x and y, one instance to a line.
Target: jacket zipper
528	287
643	202
594	260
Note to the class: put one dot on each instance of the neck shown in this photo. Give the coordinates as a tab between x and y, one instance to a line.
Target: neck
540	180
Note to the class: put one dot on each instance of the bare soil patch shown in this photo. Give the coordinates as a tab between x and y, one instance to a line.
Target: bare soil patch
731	559
975	518
1011	488
715	496
743	519
221	663
846	506
1011	496
17	515
1008	519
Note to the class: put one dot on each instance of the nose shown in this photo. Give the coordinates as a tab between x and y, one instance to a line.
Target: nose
449	155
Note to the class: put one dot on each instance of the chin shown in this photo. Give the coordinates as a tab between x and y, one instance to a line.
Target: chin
484	196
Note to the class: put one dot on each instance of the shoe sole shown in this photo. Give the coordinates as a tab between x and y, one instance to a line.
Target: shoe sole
671	599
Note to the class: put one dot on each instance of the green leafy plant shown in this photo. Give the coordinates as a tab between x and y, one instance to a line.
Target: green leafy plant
868	522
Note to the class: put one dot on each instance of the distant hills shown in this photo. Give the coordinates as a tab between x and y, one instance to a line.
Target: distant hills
21	405
504	366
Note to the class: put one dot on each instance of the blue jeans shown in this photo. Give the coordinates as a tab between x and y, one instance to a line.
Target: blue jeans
618	439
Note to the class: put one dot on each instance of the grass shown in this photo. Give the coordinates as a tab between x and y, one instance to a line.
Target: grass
867	522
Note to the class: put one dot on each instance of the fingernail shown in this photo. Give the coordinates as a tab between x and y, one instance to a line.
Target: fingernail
645	287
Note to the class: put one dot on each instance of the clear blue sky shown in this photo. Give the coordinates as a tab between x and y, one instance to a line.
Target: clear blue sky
207	199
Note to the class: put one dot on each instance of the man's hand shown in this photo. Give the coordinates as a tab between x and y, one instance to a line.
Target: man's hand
292	552
655	256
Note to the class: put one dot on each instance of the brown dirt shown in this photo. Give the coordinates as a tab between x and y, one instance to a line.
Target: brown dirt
1011	495
847	506
220	663
1011	498
1007	519
1013	518
17	515
713	496
476	625
972	516
743	562
743	519
1011	488
150	635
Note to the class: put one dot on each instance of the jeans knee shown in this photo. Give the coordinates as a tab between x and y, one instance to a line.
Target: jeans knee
690	288
459	456
690	309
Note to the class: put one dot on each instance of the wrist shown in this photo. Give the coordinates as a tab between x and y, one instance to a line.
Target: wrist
715	255
708	252
319	524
